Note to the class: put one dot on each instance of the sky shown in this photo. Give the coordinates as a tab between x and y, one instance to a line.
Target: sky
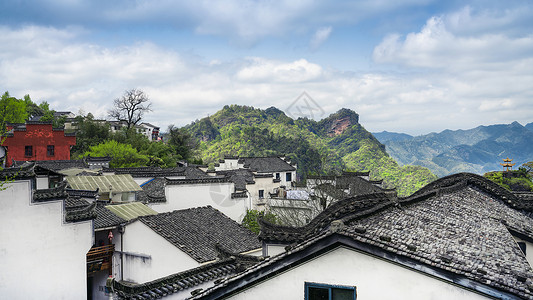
412	66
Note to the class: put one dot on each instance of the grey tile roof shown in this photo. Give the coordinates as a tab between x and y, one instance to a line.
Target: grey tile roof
461	223
105	218
188	172
240	177
57	165
23	170
152	191
196	231
267	164
183	281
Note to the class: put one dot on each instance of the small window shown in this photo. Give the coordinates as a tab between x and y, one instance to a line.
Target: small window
277	176
288	176
261	193
50	150
319	291
28	151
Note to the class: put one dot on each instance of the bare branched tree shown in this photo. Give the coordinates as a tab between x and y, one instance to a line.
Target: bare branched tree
131	107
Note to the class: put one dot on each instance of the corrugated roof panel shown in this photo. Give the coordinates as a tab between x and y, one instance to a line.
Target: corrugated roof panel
119	183
131	210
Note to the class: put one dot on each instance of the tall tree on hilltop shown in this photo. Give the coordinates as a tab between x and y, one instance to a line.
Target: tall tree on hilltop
131	107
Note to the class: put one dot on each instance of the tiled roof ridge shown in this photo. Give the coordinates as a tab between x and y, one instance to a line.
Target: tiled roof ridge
173	283
196	181
347	209
59	191
23	171
225	254
83	214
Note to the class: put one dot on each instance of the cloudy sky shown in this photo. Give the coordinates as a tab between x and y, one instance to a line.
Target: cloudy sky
413	66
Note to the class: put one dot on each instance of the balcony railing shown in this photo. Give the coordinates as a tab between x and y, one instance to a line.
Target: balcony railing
100	258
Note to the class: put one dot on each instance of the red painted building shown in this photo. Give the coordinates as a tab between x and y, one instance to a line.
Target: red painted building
37	141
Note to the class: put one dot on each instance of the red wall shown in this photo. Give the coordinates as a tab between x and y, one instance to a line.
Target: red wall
39	136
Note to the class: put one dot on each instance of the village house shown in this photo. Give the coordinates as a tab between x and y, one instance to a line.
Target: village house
36	140
46	235
159	245
460	237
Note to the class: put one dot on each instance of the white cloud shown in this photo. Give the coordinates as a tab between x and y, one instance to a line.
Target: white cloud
260	69
320	36
444	43
72	75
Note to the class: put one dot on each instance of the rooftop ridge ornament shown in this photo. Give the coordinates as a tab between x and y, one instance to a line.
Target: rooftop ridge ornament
507	164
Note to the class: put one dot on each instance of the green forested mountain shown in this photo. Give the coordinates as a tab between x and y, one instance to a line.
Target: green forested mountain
333	144
478	150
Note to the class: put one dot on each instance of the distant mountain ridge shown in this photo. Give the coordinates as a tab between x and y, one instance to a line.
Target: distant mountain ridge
330	145
478	150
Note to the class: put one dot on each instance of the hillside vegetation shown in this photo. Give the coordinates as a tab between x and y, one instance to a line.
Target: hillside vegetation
330	145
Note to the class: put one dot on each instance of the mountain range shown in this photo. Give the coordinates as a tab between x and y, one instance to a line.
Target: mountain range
478	150
331	145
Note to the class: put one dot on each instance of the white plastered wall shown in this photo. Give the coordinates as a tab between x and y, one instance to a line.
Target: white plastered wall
218	195
41	257
154	257
373	278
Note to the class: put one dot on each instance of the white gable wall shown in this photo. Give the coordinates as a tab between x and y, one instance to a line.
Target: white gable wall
41	257
374	279
218	195
165	258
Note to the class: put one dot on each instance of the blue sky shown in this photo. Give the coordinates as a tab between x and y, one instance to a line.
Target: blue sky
413	66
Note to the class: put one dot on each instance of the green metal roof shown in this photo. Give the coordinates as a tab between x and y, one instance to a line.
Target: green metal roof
119	183
131	210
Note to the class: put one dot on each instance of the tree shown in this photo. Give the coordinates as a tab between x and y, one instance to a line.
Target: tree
89	133
528	166
122	155
250	219
12	110
182	141
131	107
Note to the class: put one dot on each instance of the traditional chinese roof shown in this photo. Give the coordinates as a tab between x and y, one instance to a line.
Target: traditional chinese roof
105	218
197	181
270	164
152	191
183	281
57	165
118	183
241	177
188	172
21	171
459	229
196	231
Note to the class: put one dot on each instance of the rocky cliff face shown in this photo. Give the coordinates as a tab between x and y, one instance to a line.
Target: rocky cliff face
338	122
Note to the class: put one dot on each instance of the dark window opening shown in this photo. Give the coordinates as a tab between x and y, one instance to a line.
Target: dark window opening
318	291
261	193
522	246
28	151
288	177
50	149
277	176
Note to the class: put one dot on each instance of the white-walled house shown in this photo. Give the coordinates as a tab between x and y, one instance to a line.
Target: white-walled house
189	193
156	246
453	239
278	167
45	236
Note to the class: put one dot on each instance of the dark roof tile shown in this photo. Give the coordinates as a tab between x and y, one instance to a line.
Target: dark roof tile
196	231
